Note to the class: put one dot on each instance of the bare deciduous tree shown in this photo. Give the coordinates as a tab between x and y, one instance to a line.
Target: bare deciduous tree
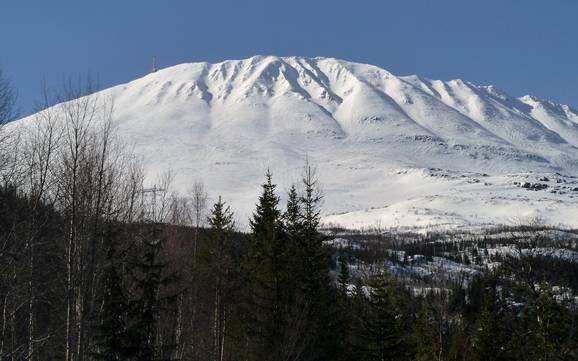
8	98
199	198
8	140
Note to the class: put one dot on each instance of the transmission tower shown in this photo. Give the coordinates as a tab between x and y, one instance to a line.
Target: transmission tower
154	70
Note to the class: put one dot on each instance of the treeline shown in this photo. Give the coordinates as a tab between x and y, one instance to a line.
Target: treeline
96	265
521	305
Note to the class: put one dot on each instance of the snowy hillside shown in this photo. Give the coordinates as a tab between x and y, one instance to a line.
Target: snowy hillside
391	151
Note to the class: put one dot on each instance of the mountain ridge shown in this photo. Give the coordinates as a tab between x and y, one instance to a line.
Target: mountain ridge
227	122
431	85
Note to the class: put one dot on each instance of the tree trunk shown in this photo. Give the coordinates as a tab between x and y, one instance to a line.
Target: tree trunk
31	300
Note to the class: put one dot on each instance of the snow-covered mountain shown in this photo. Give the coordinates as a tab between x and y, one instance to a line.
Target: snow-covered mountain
390	150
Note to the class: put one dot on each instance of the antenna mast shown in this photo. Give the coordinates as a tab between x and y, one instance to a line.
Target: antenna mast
154	70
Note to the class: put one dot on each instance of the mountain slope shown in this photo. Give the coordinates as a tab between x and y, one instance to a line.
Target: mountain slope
415	151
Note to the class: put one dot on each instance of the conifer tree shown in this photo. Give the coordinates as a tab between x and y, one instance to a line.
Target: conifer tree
552	336
293	227
426	336
315	268
115	338
488	343
382	332
267	278
219	257
149	277
314	292
292	220
343	278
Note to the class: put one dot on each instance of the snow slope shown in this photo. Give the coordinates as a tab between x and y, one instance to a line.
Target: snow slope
391	151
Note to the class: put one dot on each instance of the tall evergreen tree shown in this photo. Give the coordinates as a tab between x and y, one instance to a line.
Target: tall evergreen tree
150	276
293	227
313	272
488	342
315	267
218	255
426	336
343	278
311	317
115	337
553	336
382	331
268	278
292	217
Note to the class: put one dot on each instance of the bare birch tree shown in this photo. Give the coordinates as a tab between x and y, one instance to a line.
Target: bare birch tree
8	98
8	140
199	198
88	164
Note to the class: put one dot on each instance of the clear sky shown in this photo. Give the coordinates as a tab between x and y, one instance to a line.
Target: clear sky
521	46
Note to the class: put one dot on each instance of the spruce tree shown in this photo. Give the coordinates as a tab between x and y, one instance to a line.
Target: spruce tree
343	278
267	278
219	266
551	328
150	277
488	342
382	331
292	218
293	227
342	312
315	291
426	335
315	268
115	337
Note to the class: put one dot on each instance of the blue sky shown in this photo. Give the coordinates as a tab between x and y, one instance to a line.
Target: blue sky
522	47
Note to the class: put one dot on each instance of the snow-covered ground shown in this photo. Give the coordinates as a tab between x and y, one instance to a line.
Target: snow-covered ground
391	151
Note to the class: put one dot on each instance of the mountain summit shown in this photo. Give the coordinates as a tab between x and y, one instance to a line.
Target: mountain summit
390	150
